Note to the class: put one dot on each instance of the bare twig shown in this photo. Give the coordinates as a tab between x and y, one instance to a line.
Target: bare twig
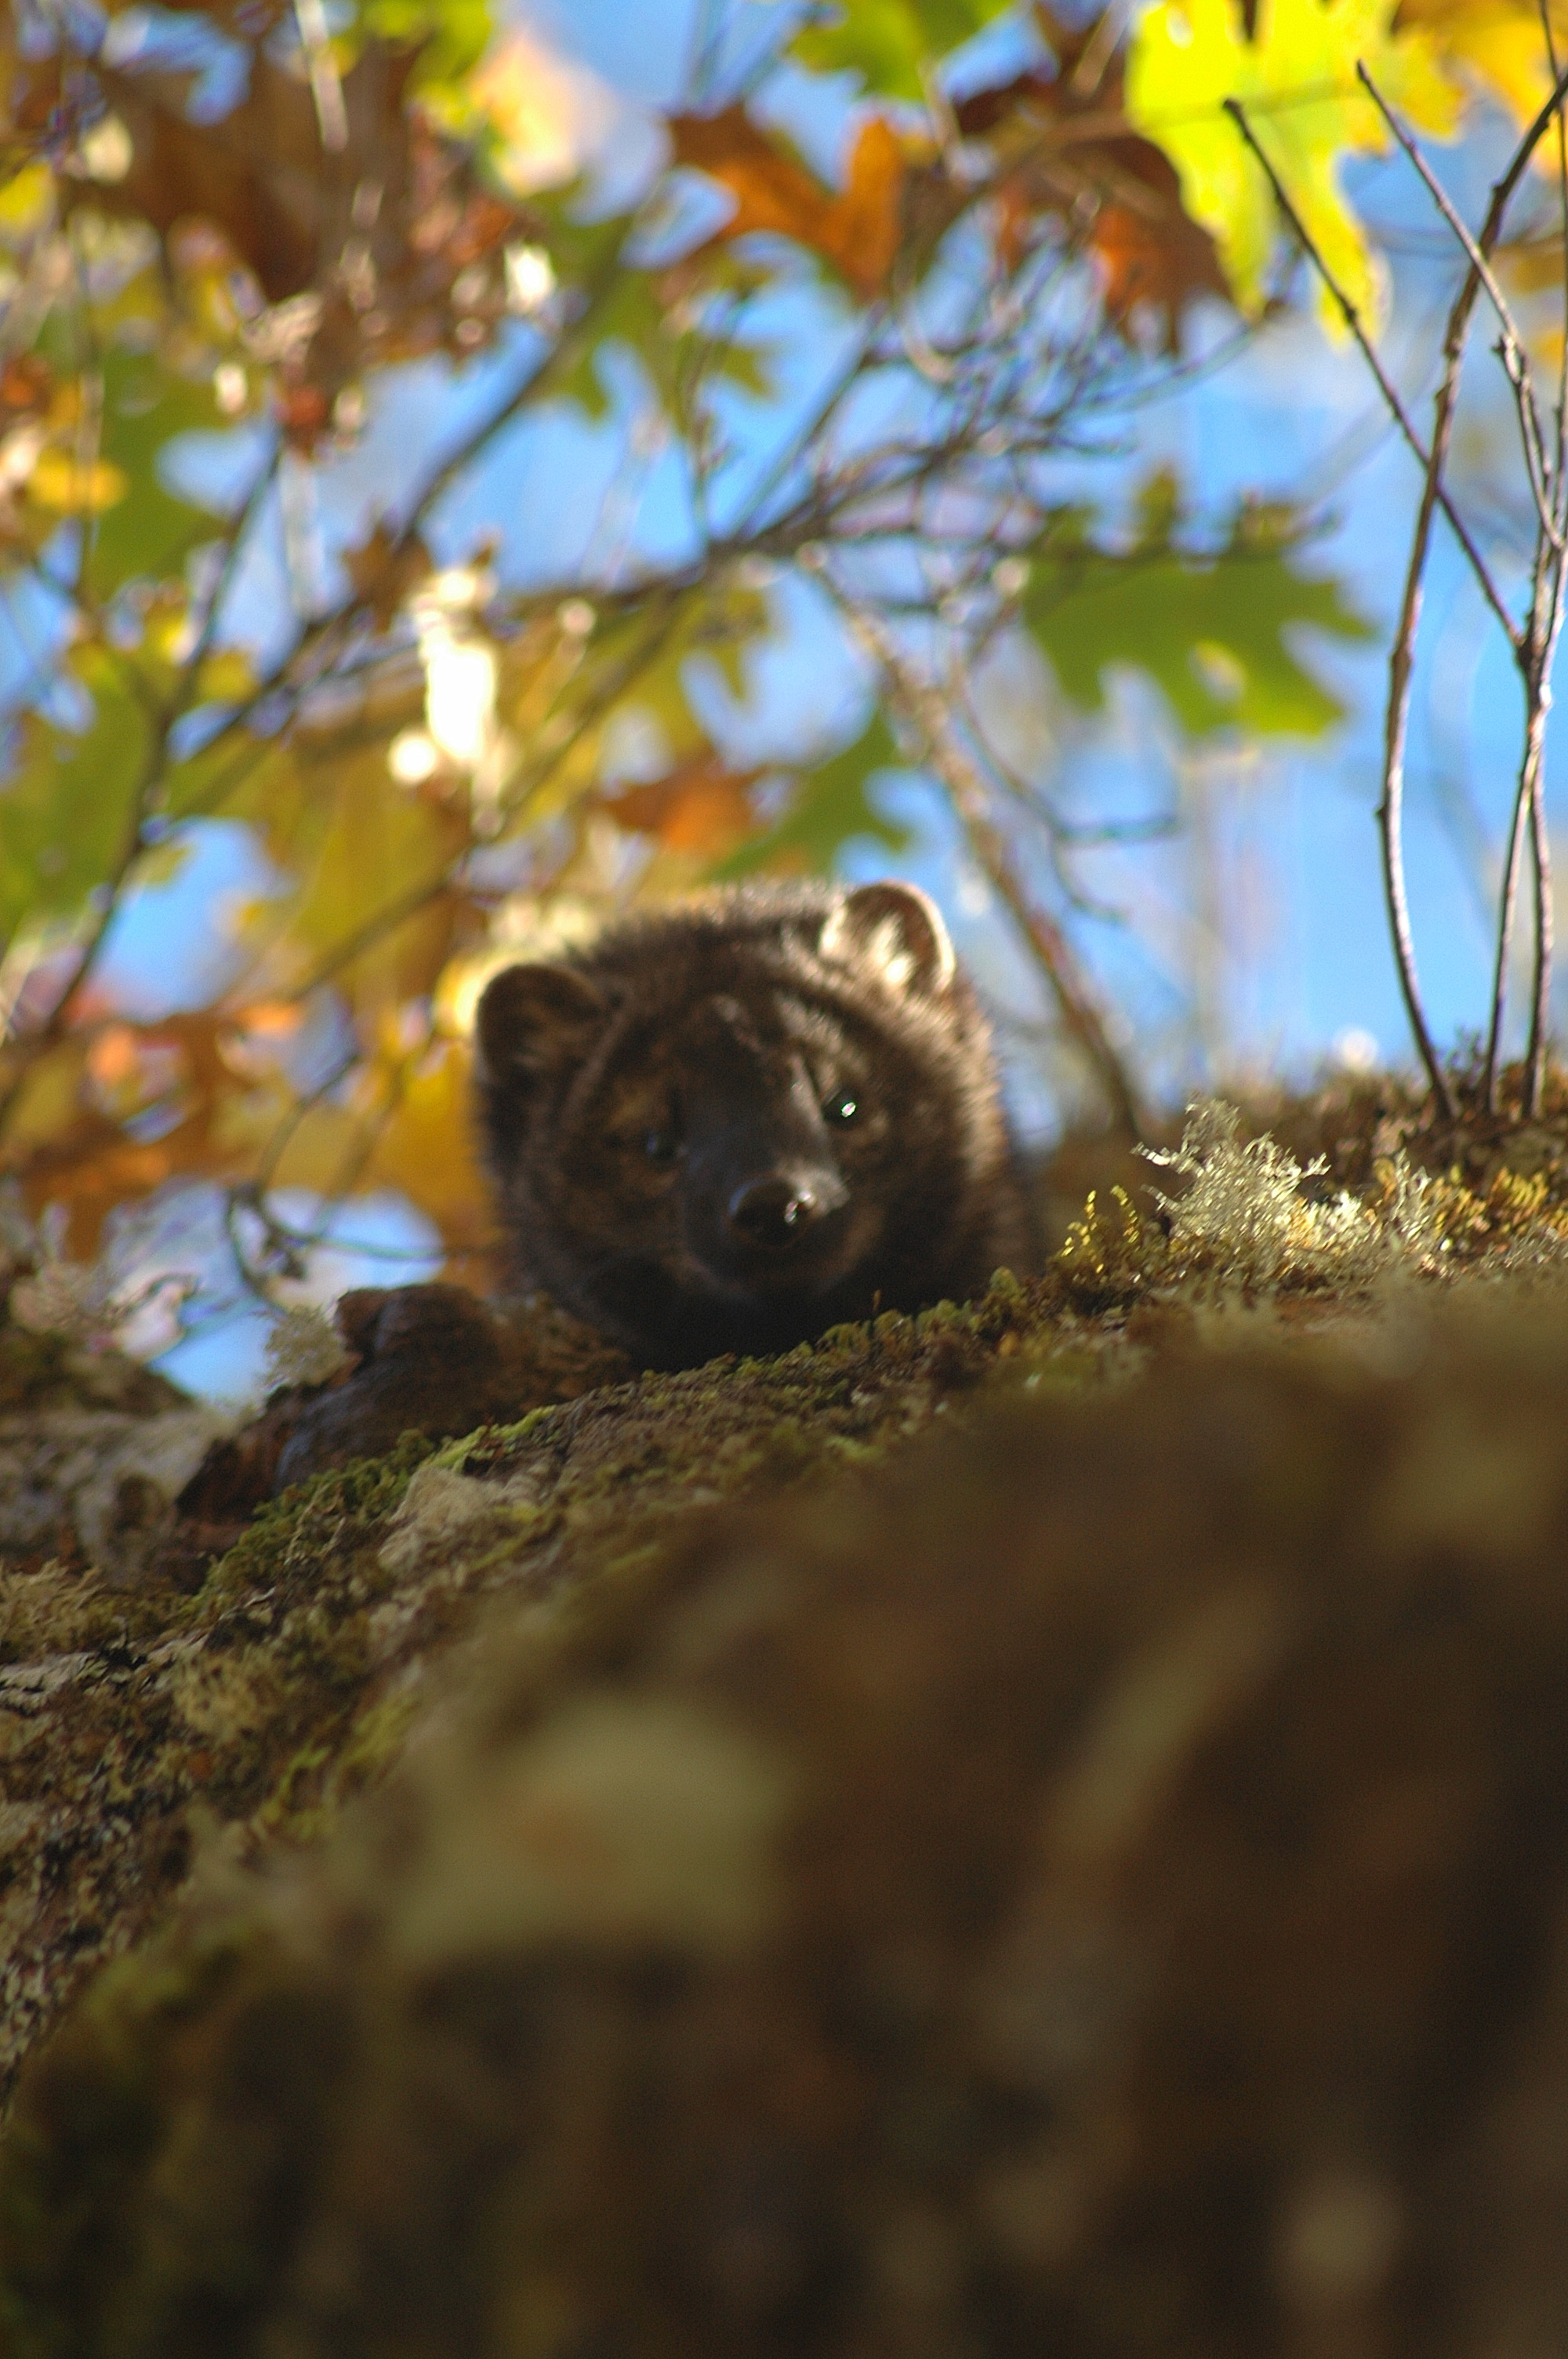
1516	363
235	539
1532	644
964	782
1063	835
1540	640
1397	410
1540	844
1535	654
1545	625
1391	805
1535	645
326	88
1541	1002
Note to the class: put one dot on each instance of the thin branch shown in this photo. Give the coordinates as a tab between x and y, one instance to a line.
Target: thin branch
796	444
1516	364
1541	1002
1528	643
1540	844
234	538
965	785
1507	902
1063	835
1529	805
1397	410
1391	800
1545	621
1539	645
144	798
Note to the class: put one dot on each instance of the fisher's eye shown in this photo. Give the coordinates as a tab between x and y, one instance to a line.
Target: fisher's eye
841	1107
660	1144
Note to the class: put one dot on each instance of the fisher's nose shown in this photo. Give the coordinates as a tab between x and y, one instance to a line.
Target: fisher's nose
776	1210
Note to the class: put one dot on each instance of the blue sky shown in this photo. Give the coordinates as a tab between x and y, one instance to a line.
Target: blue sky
1307	959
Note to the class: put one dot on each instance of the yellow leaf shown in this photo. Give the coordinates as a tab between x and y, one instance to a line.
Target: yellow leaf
57	481
321	1151
226	675
427	1147
47	1102
546	111
1501	44
373	878
1296	78
27	201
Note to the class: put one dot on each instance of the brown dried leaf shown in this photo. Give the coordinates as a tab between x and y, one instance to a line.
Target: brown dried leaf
701	807
857	230
1064	150
393	240
89	1162
26	385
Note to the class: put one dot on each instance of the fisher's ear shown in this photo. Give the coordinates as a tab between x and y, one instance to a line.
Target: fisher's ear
533	1017
897	930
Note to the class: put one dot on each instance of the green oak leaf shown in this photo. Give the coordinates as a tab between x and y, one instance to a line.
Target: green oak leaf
452	35
148	533
632	314
1209	629
67	799
830	806
887	42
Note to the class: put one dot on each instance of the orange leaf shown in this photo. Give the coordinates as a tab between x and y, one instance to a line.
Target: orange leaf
699	807
1152	256
866	222
25	383
1063	151
86	1161
858	231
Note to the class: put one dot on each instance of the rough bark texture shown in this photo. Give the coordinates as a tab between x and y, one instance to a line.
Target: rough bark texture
1042	1826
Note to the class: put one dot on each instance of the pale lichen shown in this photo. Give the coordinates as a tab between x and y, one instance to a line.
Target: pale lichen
303	1347
100	1478
1245	1220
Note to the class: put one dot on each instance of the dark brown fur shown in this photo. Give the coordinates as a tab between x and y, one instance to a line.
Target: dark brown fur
668	1116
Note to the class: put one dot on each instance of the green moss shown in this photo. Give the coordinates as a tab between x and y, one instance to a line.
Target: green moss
69	2234
285	1685
372	1744
1109	1257
331	1516
1061	1888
